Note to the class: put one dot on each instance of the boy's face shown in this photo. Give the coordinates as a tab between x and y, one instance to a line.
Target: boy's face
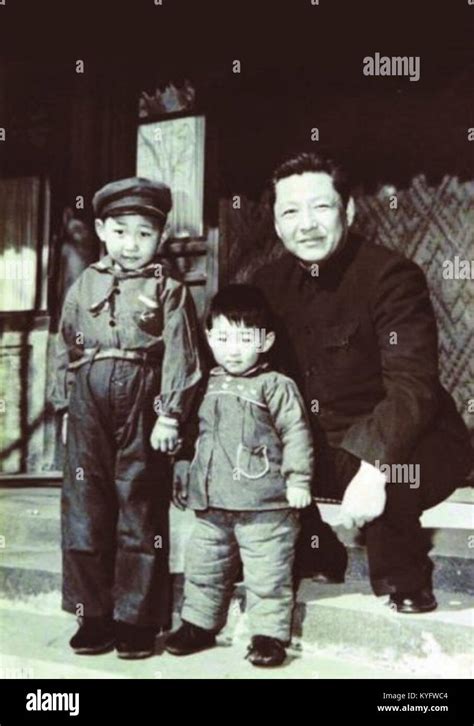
131	240
236	347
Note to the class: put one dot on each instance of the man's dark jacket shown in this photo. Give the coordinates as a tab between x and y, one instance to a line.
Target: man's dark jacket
360	339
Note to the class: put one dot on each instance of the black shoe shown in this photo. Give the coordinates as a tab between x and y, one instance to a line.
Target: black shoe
189	639
308	564
94	636
266	651
319	554
324	576
321	578
418	601
328	577
134	642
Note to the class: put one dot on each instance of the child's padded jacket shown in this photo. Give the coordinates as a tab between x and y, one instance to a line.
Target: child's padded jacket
254	441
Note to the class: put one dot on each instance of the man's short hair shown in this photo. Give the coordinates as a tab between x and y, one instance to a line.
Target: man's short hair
309	161
241	304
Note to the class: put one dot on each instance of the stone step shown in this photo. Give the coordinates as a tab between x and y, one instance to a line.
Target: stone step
35	639
338	616
339	631
27	570
345	621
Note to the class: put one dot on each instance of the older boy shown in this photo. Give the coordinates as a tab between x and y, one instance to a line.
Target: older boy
127	351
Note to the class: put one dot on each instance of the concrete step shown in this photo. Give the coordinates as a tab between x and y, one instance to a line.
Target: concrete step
342	622
343	619
35	634
338	616
29	525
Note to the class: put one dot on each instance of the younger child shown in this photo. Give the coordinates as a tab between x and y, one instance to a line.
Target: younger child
127	352
251	471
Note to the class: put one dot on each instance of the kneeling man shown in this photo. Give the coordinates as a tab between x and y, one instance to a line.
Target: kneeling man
361	341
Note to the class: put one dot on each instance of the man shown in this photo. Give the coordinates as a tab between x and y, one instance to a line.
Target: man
361	340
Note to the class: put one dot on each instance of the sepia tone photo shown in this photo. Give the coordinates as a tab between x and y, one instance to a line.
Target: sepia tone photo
236	354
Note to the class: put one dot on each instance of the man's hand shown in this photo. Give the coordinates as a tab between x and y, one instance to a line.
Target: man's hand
64	428
298	498
180	484
364	498
165	436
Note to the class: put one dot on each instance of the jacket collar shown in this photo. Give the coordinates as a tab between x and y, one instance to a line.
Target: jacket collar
255	371
332	271
157	265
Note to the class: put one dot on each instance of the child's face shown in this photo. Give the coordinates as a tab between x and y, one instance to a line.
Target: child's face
131	240
236	347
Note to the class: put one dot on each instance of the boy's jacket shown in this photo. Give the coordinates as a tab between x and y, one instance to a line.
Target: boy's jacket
254	441
143	315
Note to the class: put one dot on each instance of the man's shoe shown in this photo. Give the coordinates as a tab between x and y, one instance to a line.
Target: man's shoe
309	564
319	553
328	578
94	636
417	601
266	651
134	642
188	639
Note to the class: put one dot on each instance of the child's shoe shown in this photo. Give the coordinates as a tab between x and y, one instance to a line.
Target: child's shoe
189	639
266	651
134	641
94	636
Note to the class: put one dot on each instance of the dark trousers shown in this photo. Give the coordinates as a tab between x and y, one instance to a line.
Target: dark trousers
115	498
397	547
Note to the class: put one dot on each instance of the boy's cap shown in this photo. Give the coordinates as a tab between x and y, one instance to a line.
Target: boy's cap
132	196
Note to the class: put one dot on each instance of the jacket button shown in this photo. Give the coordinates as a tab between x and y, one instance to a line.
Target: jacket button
112	323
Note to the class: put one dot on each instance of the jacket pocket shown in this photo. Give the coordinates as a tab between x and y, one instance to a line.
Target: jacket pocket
149	321
252	462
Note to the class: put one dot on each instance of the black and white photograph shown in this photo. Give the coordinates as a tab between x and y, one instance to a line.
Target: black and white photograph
237	350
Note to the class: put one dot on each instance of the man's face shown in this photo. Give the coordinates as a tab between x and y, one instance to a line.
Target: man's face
310	218
131	240
236	347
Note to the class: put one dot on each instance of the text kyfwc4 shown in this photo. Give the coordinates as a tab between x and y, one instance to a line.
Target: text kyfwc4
39	701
